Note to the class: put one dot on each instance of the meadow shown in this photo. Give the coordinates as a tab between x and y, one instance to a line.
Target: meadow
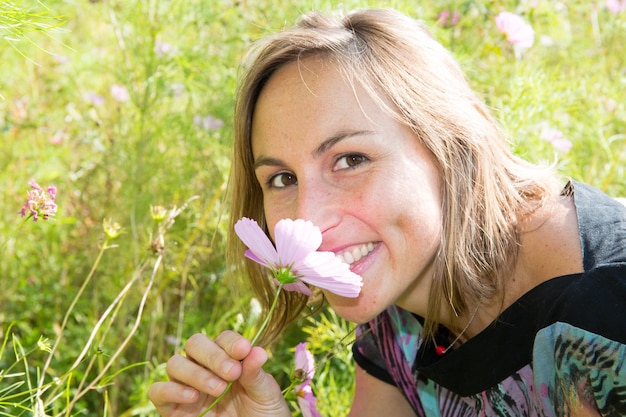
125	107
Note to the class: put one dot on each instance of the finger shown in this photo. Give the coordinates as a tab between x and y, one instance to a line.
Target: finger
164	393
222	356
259	385
188	372
234	344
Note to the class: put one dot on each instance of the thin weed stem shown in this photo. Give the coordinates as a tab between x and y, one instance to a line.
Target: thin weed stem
131	333
69	311
252	342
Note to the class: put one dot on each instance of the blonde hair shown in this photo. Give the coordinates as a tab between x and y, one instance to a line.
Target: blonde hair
414	78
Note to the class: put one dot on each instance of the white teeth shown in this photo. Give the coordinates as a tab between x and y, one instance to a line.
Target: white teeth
351	256
356	254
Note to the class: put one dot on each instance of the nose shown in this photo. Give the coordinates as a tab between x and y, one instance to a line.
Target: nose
319	203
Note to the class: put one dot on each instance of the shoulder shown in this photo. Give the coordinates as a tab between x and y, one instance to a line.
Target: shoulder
596	302
584	349
568	360
602	225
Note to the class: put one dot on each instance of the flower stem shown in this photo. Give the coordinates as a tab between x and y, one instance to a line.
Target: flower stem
252	342
268	317
30	215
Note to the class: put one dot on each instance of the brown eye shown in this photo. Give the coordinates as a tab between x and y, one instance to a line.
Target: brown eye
350	161
283	180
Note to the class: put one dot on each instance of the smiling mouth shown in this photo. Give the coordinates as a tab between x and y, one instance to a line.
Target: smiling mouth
356	253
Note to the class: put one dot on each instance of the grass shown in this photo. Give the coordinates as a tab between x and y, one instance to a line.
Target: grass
88	321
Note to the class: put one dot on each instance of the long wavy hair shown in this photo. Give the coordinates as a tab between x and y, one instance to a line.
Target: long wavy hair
485	187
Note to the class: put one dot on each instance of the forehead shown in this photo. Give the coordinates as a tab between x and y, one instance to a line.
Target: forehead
311	96
312	78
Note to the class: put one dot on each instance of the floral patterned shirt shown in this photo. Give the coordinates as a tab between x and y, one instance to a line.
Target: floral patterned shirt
559	350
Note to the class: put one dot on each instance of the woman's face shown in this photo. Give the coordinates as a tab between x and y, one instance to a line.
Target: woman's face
324	151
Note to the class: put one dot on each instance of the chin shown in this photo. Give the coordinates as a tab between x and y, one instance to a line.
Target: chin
356	310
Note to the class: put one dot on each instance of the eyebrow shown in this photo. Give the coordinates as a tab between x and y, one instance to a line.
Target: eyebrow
323	147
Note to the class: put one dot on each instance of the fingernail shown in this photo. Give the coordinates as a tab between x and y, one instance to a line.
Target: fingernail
227	366
215	384
188	393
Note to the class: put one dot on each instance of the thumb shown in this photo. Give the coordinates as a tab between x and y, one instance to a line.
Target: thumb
259	385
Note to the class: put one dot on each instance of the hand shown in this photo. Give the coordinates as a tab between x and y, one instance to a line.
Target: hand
197	379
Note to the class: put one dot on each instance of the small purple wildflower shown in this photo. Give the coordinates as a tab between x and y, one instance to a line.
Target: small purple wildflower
207	122
38	203
556	138
93	98
119	93
448	19
162	49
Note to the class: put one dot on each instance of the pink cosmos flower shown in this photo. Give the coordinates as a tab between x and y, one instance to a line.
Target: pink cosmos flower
93	98
305	365
304	371
307	401
516	30
448	19
119	93
295	260
38	203
207	122
162	49
616	6
556	138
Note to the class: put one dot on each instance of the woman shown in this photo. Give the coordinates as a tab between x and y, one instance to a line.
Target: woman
476	265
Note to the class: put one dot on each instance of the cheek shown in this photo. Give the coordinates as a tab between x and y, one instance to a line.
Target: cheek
365	199
272	216
278	206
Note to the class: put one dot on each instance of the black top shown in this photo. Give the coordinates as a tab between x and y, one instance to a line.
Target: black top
561	342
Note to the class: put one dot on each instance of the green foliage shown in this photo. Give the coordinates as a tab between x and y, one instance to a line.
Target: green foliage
330	339
65	120
19	20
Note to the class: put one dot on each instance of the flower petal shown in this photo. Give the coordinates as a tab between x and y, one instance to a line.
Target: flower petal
295	239
297	287
250	255
304	361
296	244
257	241
53	192
325	271
35	186
516	29
306	401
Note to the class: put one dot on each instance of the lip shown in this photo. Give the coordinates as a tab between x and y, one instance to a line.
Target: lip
357	256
